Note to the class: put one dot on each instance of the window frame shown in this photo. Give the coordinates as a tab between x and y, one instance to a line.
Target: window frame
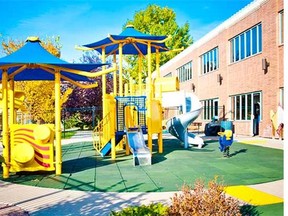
252	43
209	61
281	20
185	72
210	109
239	105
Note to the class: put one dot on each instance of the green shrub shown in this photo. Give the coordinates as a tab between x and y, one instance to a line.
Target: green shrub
202	201
67	134
73	121
144	210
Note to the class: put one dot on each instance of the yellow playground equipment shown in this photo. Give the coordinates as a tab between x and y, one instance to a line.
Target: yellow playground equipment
38	147
139	105
33	147
19	97
131	112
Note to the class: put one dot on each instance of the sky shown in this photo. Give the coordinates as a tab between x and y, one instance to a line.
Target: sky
79	22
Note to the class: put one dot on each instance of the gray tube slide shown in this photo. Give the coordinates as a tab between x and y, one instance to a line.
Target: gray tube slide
177	126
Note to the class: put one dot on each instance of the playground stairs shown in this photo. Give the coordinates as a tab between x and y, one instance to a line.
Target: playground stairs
114	123
102	139
102	136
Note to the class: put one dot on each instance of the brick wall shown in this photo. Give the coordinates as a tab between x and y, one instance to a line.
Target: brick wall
244	76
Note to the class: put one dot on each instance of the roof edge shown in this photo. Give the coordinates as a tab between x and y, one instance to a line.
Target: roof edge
241	14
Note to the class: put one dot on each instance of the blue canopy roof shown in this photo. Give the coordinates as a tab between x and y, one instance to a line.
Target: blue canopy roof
134	42
38	60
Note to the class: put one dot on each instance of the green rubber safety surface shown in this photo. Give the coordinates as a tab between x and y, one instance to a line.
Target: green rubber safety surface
83	169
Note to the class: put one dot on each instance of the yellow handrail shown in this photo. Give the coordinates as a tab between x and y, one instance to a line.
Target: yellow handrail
98	134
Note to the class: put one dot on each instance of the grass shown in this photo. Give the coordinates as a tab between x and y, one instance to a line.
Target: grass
67	134
273	209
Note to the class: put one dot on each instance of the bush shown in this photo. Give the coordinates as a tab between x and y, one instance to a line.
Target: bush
148	210
72	121
201	201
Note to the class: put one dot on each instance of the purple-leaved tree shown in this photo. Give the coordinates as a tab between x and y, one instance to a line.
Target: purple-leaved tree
77	109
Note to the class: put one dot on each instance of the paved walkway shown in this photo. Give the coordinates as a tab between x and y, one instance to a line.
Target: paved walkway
47	201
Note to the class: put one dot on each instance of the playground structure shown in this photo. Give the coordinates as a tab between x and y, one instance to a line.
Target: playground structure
190	108
19	97
139	106
32	147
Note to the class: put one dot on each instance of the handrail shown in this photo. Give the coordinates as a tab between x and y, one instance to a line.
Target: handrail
98	133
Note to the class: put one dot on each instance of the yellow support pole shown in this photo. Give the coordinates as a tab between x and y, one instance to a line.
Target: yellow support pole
58	147
140	74
126	145
160	142
113	130
126	89
120	70
103	84
5	126
160	135
157	63
12	119
114	76
113	147
131	93
149	101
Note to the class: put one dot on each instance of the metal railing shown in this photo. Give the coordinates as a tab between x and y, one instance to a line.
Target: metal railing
100	138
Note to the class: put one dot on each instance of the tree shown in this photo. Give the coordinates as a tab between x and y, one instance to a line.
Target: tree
39	95
155	20
81	98
51	44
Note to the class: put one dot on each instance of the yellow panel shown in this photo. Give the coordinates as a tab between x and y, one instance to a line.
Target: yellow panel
22	139
18	99
156	117
42	133
23	153
252	196
166	84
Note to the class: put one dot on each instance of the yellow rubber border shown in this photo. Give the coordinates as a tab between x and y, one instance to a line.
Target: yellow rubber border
253	141
252	196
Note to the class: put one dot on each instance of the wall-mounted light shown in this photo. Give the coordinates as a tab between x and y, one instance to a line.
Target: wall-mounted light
265	65
193	87
219	79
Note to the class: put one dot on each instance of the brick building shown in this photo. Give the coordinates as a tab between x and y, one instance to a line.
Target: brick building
237	69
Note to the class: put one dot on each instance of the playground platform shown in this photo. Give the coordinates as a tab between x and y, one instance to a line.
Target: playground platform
91	185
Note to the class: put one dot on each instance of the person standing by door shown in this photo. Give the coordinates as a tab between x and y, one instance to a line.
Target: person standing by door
256	120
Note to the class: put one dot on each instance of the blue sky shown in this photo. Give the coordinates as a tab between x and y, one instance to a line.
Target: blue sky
80	22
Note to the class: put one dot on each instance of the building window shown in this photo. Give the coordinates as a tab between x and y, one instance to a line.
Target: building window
281	27
246	44
185	72
281	97
244	105
209	61
210	109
